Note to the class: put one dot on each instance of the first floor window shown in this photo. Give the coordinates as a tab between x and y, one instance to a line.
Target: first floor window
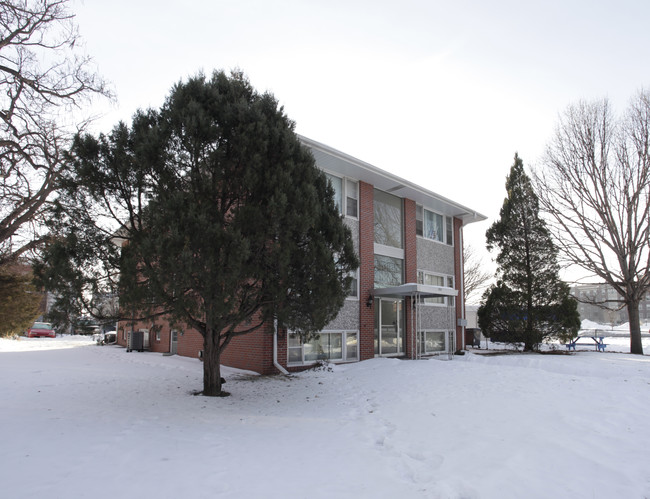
326	345
353	290
433	341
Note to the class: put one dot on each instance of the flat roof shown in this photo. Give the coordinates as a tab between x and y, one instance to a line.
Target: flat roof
414	289
332	160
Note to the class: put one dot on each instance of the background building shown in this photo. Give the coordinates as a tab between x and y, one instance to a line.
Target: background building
590	295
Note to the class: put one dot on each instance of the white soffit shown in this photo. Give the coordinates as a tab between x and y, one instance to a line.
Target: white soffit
413	289
337	162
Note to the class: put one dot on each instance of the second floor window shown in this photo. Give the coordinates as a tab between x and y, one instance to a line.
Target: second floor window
388	219
346	195
434	226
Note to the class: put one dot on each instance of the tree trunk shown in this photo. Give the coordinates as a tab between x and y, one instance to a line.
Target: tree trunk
529	343
211	364
635	327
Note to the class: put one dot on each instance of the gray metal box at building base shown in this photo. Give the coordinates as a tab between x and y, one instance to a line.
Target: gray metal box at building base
135	341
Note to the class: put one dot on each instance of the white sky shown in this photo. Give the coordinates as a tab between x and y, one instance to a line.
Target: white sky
439	93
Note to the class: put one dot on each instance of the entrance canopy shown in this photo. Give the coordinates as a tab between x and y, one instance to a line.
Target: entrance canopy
415	290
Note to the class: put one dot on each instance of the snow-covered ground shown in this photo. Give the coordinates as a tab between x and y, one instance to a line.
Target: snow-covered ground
79	420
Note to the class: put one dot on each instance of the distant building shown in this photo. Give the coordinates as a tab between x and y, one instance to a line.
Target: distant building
599	303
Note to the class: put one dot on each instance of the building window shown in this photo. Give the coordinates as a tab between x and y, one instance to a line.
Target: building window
434	226
389	271
450	231
352	198
353	291
388	219
419	220
430	279
451	300
158	335
433	342
348	190
326	345
337	185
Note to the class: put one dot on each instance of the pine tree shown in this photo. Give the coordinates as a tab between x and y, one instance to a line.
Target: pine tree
529	303
227	222
20	301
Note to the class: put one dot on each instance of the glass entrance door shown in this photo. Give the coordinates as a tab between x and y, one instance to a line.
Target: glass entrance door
389	326
173	346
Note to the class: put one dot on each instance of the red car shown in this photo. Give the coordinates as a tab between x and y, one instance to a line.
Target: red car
41	329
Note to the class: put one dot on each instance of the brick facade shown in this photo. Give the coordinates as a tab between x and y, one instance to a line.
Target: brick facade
458	280
410	271
366	271
254	351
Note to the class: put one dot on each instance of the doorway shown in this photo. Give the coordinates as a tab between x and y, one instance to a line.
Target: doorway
173	342
389	326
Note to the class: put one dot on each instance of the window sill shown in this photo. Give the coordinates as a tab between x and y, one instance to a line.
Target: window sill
314	362
435	241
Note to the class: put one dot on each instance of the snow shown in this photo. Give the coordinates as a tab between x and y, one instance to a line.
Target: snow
81	420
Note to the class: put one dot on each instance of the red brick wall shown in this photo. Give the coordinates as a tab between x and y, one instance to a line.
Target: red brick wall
252	351
190	342
458	279
410	268
366	270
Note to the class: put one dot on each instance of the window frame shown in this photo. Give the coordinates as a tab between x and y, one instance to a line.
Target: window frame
423	342
447	224
345	355
447	301
345	194
394	261
355	275
391	201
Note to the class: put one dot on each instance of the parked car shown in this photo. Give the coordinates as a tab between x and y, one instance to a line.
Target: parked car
41	329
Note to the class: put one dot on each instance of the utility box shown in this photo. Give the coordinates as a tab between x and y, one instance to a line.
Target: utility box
473	337
135	341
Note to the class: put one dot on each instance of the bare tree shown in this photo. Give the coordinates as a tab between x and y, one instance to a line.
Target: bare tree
475	275
44	81
595	187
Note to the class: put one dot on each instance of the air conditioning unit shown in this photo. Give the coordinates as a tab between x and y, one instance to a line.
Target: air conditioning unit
135	341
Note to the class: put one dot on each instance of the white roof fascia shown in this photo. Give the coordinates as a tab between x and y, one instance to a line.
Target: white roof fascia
348	166
414	289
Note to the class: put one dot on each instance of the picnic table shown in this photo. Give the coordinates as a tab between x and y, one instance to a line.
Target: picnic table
598	342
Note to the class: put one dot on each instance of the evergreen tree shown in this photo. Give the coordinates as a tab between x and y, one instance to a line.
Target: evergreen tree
529	303
225	220
20	301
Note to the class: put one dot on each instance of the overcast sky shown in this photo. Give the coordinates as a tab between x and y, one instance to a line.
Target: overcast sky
439	93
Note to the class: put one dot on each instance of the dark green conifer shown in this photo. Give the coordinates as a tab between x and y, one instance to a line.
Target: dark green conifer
227	222
529	303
